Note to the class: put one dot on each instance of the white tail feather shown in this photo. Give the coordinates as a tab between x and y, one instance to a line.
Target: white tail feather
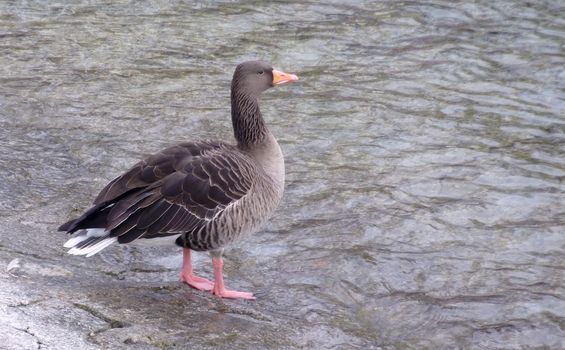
93	249
89	250
74	241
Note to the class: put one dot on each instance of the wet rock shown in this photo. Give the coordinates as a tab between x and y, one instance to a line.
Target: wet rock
18	338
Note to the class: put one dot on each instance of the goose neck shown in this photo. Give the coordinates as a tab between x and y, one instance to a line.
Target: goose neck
248	124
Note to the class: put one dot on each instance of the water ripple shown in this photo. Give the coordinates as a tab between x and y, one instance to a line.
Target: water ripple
424	145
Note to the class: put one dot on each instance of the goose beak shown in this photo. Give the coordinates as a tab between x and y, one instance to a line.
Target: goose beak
281	78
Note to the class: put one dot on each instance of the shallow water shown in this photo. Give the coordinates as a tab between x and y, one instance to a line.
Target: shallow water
424	146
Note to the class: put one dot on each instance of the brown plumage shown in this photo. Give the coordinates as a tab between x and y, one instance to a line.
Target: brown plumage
207	193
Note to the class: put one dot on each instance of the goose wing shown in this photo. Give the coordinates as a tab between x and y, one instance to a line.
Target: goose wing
178	190
155	168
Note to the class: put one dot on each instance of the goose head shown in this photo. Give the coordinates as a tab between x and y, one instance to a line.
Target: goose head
254	77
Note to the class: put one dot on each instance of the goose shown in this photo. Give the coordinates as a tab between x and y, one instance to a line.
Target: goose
203	194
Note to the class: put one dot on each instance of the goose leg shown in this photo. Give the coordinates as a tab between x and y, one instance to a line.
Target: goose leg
187	277
219	287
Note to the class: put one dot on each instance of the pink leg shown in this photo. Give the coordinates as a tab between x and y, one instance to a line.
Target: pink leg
219	288
190	279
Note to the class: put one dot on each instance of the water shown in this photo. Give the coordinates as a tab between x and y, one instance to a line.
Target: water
424	205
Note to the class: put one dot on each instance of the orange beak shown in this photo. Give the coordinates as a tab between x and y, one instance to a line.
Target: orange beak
281	78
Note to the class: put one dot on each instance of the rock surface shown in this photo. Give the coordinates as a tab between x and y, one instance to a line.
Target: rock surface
118	299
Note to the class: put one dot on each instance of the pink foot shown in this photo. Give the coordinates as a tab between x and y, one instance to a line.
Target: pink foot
219	288
187	277
232	294
197	282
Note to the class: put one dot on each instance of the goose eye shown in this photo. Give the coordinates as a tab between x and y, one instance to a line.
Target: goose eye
260	72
